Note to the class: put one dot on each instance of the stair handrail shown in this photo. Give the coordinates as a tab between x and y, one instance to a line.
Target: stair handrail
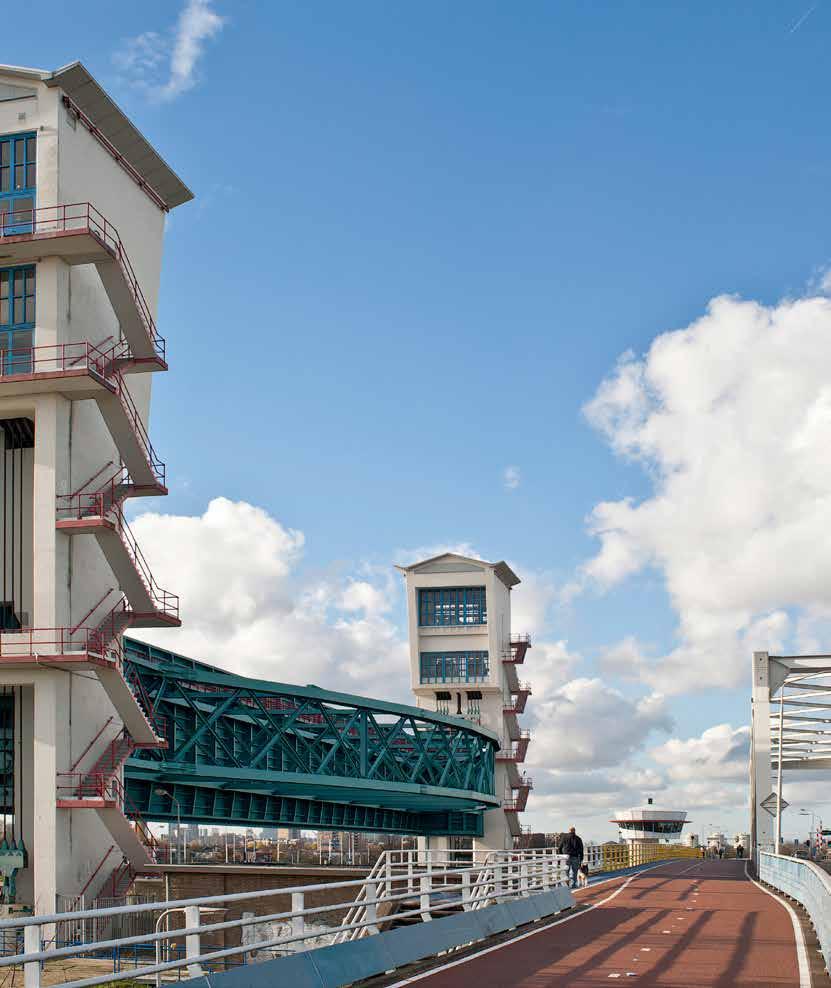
131	811
91	611
123	392
123	735
86	483
168	602
100	731
98	867
84	504
80	217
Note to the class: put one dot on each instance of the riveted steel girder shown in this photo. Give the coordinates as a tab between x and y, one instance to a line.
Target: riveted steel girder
242	750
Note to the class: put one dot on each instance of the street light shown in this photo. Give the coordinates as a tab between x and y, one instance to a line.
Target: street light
812	815
166	792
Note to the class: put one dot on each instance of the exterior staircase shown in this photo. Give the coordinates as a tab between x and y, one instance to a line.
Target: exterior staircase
79	234
96	509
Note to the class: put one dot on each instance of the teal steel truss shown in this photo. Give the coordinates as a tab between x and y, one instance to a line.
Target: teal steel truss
249	751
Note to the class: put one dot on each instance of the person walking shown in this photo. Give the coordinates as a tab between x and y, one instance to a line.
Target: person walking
739	850
572	846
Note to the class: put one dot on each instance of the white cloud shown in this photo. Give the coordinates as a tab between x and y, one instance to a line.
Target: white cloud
720	752
730	419
511	477
625	659
587	724
246	606
406	557
165	65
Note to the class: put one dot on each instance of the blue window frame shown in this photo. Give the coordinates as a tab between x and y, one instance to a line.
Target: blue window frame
18	183
454	667
17	319
452	605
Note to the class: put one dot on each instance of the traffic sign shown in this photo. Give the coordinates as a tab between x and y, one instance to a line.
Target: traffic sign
770	803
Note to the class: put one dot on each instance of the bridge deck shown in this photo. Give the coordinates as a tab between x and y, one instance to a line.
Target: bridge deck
678	925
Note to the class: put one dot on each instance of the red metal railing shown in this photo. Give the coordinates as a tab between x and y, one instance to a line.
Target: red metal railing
121	878
87	483
129	406
56	358
50	641
130	809
98	785
98	867
63	358
95	503
80	757
164	600
76	218
92	610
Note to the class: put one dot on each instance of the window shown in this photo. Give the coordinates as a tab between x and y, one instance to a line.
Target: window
17	319
18	181
454	667
452	605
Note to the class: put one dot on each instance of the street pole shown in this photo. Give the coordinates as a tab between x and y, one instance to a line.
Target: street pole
779	772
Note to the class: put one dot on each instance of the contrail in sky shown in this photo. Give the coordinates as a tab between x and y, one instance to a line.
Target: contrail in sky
798	24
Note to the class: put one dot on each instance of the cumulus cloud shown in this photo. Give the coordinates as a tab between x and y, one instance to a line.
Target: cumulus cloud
247	607
511	478
585	723
164	65
720	752
730	419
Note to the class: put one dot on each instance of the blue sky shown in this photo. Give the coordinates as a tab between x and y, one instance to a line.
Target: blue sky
423	236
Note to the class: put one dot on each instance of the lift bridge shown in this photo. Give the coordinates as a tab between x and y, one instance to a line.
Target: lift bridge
245	751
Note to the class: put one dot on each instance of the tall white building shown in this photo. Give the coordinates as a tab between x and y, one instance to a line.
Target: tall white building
83	201
464	662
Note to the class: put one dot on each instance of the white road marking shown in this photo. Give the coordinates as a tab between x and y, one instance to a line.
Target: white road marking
532	933
801	949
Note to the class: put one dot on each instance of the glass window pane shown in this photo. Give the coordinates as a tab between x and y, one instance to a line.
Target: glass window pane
5	179
17	311
4	153
19	177
4	284
4	312
30	149
18	151
30	176
29	315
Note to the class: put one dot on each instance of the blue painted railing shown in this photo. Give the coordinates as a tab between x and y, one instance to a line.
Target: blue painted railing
809	885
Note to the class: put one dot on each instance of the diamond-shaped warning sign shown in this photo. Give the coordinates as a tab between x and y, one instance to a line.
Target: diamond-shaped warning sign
770	802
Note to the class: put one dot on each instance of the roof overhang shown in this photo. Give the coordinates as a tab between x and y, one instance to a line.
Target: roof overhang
502	570
89	96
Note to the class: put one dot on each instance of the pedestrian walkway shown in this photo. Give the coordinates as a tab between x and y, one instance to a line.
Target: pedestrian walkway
679	925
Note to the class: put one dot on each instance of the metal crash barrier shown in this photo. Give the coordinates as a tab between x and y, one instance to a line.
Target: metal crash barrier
807	884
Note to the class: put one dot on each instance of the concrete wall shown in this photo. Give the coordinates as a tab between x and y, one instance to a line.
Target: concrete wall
63	711
193	881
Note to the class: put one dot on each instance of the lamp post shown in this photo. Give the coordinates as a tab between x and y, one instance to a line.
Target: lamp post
812	815
166	792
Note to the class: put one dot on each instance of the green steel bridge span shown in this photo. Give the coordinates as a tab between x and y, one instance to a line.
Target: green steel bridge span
253	752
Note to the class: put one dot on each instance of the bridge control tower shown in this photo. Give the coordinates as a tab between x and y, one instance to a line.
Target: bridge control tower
83	202
464	661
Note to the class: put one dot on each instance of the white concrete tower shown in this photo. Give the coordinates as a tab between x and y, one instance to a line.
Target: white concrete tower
83	200
463	662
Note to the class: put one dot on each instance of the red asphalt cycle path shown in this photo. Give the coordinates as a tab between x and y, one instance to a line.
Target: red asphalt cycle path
682	925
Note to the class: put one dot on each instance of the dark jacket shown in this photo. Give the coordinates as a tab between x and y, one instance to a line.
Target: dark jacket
571	845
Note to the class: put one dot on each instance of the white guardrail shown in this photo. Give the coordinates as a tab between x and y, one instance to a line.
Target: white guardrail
433	882
806	883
